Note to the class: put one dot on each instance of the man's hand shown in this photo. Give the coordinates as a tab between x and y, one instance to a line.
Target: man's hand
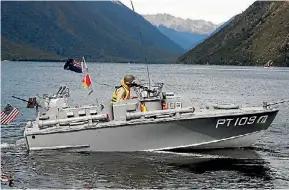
143	87
135	85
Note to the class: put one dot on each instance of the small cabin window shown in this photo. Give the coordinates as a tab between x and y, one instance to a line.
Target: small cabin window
70	114
44	117
93	112
178	104
81	113
170	94
172	105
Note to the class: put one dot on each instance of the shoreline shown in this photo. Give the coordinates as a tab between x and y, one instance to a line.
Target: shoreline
172	63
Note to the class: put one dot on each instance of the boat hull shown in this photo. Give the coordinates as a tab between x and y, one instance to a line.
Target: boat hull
196	133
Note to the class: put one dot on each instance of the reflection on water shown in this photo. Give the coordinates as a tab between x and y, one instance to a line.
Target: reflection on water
139	170
246	162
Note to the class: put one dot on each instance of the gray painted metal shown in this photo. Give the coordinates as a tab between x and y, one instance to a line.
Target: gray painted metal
158	113
159	135
60	121
129	129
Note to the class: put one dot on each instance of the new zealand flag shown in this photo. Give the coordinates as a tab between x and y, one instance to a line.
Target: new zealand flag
73	66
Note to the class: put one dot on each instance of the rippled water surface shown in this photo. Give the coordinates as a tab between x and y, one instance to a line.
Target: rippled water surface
265	165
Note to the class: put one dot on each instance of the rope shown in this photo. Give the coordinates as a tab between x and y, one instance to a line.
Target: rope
141	38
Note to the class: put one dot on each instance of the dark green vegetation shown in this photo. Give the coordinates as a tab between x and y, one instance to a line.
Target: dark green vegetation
17	51
101	31
259	34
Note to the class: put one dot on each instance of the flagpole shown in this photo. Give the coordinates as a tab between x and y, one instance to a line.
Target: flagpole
82	73
86	68
82	64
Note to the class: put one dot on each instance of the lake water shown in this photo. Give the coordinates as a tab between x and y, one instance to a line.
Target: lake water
266	165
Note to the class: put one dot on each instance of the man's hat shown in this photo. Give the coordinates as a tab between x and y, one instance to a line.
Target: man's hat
128	78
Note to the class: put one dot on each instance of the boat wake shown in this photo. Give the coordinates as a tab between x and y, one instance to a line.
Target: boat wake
18	144
6	145
216	153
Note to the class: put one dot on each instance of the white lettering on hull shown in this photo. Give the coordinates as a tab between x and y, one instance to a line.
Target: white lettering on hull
241	121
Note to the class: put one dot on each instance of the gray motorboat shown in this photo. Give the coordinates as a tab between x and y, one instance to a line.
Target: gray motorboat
168	122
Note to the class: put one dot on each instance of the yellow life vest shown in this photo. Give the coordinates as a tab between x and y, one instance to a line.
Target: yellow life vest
127	92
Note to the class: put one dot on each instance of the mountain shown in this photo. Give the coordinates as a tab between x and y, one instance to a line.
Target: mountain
100	31
185	32
253	37
220	26
11	49
182	25
203	38
185	39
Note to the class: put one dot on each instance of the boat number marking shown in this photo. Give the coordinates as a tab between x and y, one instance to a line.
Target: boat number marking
240	121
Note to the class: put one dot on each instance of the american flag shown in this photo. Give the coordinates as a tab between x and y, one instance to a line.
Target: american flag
8	114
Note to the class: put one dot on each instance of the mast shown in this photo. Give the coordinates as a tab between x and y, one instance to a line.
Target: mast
87	73
142	45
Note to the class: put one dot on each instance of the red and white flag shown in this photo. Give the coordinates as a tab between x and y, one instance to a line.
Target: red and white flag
8	114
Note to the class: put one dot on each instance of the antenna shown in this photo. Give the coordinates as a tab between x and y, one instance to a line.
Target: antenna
142	45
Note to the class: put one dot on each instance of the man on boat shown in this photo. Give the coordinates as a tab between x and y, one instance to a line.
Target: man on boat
123	92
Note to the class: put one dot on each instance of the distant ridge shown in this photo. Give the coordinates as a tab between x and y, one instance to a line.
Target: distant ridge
185	32
179	24
253	37
186	40
101	31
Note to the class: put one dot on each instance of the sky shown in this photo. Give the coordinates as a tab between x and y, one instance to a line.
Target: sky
216	11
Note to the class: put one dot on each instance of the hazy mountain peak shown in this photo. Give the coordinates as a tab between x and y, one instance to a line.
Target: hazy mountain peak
180	24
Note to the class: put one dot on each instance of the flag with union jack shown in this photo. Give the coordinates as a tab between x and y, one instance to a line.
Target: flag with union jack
73	65
77	64
8	114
